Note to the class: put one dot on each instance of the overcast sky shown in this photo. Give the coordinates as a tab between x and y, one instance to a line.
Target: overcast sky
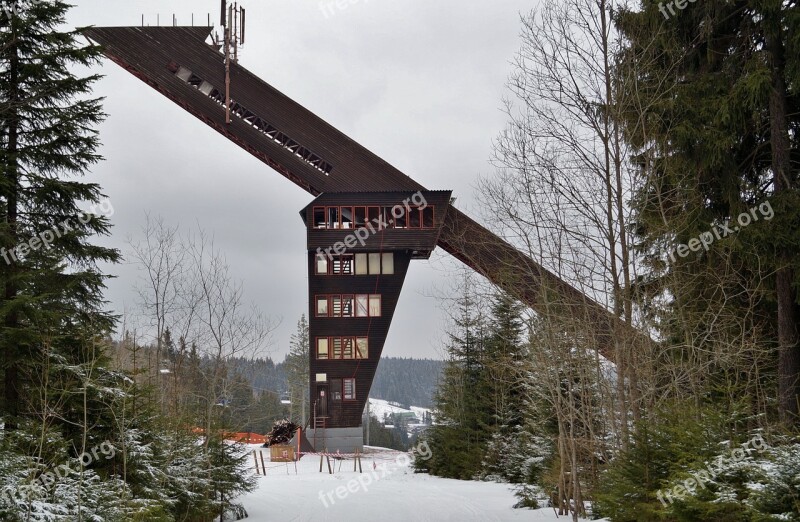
418	82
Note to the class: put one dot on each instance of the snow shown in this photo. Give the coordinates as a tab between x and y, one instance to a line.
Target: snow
379	407
388	491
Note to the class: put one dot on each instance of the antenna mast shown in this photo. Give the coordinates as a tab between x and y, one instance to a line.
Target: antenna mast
232	18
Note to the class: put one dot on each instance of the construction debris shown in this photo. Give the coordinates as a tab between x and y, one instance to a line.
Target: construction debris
281	433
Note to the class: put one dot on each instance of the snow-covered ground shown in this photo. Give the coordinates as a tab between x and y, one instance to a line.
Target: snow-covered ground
379	408
387	490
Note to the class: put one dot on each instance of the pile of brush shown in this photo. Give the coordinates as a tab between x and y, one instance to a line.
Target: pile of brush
281	433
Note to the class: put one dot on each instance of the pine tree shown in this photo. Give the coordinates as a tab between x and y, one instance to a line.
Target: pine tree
463	401
504	355
514	453
51	284
712	129
297	368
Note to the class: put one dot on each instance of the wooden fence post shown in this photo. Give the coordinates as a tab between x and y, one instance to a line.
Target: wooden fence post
297	457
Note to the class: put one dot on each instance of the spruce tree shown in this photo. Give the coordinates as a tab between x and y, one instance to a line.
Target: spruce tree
51	300
297	368
463	402
716	85
504	356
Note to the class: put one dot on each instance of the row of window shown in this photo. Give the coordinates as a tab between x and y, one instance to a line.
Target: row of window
399	216
342	348
348	388
355	264
359	305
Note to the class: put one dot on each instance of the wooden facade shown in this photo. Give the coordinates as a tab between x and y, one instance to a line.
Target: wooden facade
345	282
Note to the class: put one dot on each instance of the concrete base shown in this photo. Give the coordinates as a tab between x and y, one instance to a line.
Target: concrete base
345	440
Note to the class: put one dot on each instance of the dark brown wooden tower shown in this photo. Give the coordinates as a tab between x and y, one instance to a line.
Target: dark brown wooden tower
360	245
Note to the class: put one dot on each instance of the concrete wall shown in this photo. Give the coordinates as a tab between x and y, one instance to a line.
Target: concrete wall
346	440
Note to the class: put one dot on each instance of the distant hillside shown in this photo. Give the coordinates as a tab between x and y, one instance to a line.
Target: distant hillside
382	410
407	381
263	374
410	382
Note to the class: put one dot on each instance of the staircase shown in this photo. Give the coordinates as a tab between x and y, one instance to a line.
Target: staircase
320	423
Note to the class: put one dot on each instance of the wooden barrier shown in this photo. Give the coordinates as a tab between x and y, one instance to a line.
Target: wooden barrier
326	457
281	453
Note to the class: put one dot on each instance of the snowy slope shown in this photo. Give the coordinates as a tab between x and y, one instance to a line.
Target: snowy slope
389	492
379	407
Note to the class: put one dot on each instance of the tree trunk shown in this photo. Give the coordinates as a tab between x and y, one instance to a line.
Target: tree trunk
788	348
12	355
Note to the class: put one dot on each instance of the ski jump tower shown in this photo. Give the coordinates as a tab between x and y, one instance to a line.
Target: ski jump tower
353	285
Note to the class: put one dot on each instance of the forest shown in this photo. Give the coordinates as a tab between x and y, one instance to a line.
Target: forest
408	381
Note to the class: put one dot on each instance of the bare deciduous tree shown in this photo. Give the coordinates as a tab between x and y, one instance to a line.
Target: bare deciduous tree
227	325
561	193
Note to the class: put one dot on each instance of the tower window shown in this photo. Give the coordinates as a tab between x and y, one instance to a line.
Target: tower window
427	217
347	217
355	264
362	348
347	348
347	306
374	305
321	264
361	264
319	217
343	265
322	348
374	215
388	263
361	216
333	217
322	306
342	348
349	389
362	306
374	264
414	220
398	216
